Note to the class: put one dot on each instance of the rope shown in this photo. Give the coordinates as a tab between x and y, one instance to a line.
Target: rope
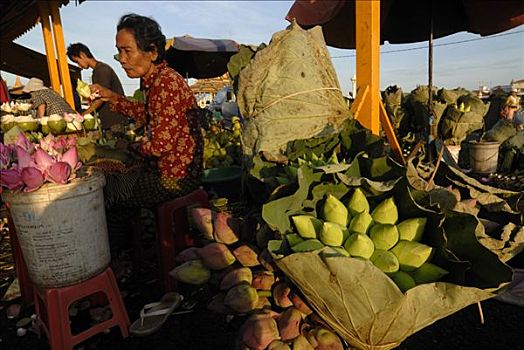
292	95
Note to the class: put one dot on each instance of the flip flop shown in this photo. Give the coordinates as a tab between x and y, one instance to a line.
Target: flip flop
153	315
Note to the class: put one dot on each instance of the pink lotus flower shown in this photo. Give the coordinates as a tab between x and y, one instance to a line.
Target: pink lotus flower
32	178
47	142
43	160
6	155
58	172
79	118
71	158
24	159
69	117
60	145
10	179
24	143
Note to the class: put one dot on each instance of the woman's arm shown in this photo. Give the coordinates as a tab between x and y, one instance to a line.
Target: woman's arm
119	103
41	110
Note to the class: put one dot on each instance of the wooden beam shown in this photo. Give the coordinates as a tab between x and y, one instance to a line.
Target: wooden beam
60	49
43	9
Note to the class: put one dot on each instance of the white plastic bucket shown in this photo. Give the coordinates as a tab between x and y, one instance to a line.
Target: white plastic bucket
483	156
62	230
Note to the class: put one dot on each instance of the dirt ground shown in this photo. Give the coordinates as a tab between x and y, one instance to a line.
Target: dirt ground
203	330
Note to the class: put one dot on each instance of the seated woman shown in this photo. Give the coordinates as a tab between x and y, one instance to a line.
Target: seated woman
46	101
173	139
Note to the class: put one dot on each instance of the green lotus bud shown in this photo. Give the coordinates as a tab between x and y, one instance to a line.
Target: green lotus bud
235	277
83	89
307	246
384	236
301	343
191	272
331	234
359	245
246	255
412	229
293	239
263	302
216	256
386	212
403	280
217	305
307	226
278	345
358	202
428	273
360	223
335	211
335	251
242	298
263	280
411	255
289	324
386	261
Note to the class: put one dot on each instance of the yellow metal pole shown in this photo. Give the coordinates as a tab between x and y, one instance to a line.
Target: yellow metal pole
49	48
368	61
60	49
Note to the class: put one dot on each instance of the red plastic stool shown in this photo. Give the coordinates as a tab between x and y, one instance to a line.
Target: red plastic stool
52	310
173	232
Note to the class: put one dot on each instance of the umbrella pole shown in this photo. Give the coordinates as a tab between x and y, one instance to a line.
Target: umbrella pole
431	132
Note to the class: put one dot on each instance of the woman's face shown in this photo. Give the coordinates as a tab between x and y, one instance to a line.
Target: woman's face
135	62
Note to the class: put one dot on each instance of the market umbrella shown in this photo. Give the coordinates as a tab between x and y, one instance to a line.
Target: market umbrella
199	58
408	21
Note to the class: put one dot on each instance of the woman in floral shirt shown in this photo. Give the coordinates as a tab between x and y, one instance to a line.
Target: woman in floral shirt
170	113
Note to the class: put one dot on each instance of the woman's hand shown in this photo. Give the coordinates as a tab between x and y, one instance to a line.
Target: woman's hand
103	94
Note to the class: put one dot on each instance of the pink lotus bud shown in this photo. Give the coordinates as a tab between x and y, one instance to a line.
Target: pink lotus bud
69	117
10	179
58	172
6	155
24	143
43	160
71	158
60	144
32	178
47	143
24	159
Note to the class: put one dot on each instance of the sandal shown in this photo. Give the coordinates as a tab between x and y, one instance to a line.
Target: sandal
154	315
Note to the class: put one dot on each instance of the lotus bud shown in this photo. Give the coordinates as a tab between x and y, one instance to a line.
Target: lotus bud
242	298
42	159
428	273
299	304
226	228
386	261
301	343
358	202
203	220
359	245
71	158
32	178
403	280
281	291
265	259
263	280
331	234
83	89
412	229
263	303
259	331
191	272
289	324
216	256
24	159
293	239
235	277
307	226
386	212
307	246
384	236
23	142
217	305
58	172
360	223
335	211
73	125
334	251
322	339
278	345
411	255
10	179
187	255
246	255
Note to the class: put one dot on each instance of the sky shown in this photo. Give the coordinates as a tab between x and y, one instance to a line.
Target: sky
493	60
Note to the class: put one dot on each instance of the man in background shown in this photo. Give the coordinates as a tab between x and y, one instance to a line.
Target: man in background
103	75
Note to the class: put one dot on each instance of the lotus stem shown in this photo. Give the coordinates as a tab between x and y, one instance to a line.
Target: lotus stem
481	313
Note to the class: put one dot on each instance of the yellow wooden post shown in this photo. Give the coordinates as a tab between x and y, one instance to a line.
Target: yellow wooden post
368	61
62	57
43	10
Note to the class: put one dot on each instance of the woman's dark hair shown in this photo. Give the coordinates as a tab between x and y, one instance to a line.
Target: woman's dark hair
147	32
75	49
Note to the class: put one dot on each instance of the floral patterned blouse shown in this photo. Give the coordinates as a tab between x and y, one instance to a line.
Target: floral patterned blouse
174	123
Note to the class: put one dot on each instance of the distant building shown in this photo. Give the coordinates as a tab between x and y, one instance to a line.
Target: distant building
519	85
